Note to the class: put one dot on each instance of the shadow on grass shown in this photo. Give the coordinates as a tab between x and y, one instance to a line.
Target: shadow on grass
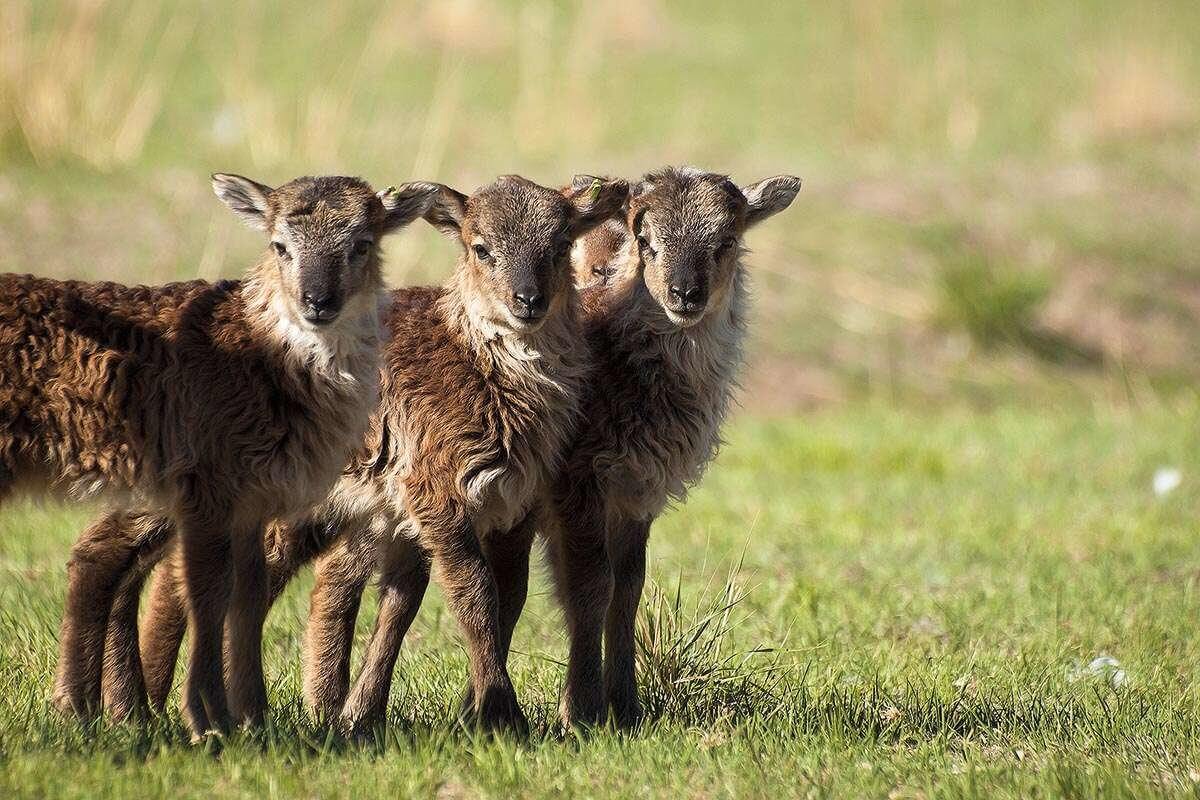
996	302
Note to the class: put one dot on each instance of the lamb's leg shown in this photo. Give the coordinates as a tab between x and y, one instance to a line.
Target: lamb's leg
584	583
99	558
205	542
402	583
462	570
248	608
162	629
627	551
123	687
165	621
341	576
508	556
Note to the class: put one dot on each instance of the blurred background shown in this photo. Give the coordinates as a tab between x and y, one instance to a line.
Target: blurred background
1000	202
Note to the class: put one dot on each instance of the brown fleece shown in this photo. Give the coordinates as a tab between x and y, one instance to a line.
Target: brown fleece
199	403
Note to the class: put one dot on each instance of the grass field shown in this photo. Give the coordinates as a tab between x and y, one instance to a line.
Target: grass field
975	342
919	605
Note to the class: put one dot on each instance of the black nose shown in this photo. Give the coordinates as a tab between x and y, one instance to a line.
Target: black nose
530	304
320	309
688	298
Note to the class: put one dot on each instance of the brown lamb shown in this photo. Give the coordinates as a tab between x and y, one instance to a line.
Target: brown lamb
216	406
481	389
667	343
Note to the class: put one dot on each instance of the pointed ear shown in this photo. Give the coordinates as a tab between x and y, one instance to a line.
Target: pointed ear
446	211
248	199
403	204
769	196
595	200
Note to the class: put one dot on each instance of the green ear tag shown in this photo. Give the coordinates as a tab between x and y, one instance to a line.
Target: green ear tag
594	190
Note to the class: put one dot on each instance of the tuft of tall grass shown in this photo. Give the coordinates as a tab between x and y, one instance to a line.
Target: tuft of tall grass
691	671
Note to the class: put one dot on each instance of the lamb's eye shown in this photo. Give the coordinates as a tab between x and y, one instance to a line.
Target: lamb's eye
481	252
644	244
562	250
362	247
280	249
726	245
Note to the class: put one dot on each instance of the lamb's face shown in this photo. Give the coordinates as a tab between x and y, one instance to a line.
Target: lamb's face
325	234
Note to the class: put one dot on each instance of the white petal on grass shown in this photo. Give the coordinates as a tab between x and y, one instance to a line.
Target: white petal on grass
1102	666
1166	480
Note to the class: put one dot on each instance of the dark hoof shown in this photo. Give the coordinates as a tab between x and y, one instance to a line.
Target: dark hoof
499	713
627	714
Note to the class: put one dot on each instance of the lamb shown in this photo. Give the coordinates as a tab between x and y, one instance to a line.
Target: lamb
667	338
216	406
481	389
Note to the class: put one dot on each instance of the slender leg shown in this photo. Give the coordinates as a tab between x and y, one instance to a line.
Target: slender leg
463	572
162	629
402	583
206	547
166	618
584	584
248	608
627	549
98	560
508	556
341	576
123	687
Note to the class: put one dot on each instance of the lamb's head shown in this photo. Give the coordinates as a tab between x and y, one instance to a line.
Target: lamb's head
325	234
598	255
516	238
688	226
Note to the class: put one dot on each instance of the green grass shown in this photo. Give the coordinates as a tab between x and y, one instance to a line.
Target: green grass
1058	141
916	601
989	285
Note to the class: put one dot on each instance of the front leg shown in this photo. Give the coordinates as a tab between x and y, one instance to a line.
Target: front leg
244	626
165	621
404	576
627	549
463	572
205	545
508	556
584	584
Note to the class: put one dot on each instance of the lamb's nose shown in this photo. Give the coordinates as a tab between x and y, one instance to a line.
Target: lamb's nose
320	308
689	297
530	303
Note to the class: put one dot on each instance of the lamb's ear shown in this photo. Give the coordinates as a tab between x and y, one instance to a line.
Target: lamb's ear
247	198
404	203
769	196
595	200
446	211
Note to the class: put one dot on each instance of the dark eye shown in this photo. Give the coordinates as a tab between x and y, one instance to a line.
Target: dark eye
481	252
279	249
726	244
644	244
562	251
362	247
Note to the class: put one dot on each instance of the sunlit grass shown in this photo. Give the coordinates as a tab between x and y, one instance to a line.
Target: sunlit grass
854	603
